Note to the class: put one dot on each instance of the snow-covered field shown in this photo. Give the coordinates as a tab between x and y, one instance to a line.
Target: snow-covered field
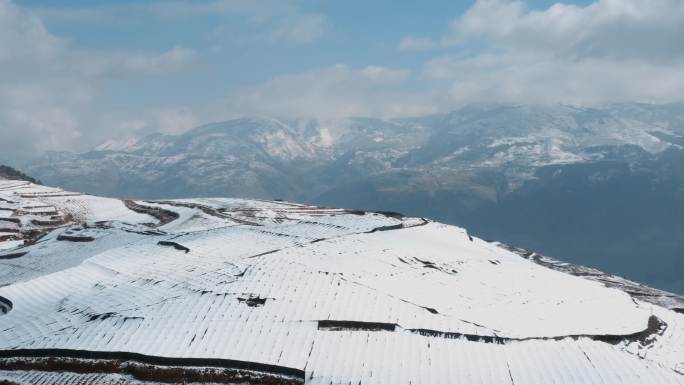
290	293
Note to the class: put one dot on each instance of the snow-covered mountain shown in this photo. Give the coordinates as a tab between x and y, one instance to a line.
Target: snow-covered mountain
250	157
598	186
218	290
302	159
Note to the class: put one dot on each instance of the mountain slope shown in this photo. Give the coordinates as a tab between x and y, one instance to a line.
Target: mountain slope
607	179
228	290
8	172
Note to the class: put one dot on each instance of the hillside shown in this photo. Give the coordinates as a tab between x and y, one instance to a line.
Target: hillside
598	186
8	172
218	290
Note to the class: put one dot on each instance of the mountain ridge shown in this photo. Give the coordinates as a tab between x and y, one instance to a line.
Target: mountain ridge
477	166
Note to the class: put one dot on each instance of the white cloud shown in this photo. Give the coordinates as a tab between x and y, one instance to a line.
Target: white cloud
333	92
48	87
609	50
124	64
24	37
27	46
534	78
262	9
263	21
168	120
172	120
381	74
410	43
300	29
498	51
35	118
644	29
167	9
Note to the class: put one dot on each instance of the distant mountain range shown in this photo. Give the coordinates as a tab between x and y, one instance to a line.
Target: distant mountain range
597	186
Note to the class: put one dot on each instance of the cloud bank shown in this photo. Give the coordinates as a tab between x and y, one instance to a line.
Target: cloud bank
54	92
607	51
48	86
334	92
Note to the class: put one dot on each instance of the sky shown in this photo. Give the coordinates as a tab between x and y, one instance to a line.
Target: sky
76	73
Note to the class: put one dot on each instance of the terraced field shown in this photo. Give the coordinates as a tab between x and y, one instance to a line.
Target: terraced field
96	290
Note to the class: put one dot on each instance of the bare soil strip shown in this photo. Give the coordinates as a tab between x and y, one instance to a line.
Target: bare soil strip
162	215
150	368
645	337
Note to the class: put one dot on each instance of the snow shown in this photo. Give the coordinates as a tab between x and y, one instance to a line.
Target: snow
6	245
326	138
35	199
257	281
127	144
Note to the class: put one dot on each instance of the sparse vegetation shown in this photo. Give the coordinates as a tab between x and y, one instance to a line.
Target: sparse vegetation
8	172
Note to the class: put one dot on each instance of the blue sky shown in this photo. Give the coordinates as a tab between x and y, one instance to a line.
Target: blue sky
80	72
356	33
